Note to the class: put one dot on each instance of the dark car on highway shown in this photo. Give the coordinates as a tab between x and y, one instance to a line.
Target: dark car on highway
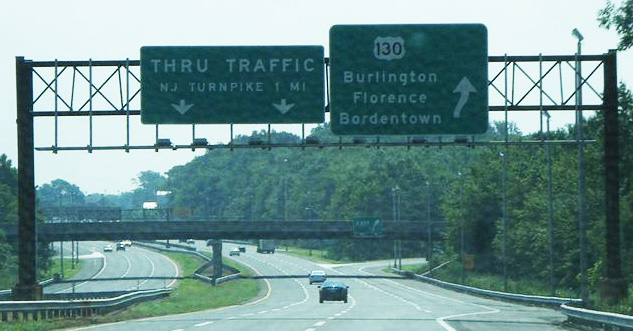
333	291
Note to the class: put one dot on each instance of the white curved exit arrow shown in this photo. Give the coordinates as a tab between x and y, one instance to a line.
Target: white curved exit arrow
464	88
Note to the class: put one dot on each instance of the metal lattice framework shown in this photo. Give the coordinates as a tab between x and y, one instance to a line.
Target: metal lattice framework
90	89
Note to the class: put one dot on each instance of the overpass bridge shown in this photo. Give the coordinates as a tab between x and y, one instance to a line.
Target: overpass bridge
238	230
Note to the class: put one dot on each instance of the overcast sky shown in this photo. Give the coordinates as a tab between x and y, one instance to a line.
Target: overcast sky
117	29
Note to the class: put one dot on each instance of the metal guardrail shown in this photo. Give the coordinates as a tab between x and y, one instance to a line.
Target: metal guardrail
581	316
520	298
604	320
14	311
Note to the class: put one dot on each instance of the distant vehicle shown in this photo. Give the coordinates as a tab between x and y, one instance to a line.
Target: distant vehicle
317	276
234	251
242	249
333	291
191	241
120	246
266	246
127	243
107	248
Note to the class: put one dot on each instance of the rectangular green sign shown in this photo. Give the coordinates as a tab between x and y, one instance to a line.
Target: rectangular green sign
409	79
232	84
368	227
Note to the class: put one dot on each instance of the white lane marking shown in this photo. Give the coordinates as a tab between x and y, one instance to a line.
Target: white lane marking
173	281
269	288
319	323
93	255
129	266
94	276
204	323
151	274
442	323
179	330
441	320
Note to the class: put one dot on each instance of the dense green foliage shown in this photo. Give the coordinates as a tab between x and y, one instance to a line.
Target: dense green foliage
9	214
621	19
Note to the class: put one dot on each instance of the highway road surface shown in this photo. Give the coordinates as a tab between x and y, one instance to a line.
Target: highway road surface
374	304
135	261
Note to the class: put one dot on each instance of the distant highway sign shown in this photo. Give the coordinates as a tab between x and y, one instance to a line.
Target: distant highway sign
368	227
232	84
409	79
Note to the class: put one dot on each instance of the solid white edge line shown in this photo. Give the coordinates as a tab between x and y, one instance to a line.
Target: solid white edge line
93	276
441	320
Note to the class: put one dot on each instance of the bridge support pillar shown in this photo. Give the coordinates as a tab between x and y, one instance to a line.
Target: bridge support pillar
26	292
217	259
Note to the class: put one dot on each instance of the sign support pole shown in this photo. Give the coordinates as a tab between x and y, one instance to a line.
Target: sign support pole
27	287
614	286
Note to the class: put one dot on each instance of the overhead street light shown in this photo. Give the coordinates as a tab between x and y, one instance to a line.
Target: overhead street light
577	34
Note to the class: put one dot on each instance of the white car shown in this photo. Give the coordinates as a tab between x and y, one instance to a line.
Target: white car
107	248
317	276
234	251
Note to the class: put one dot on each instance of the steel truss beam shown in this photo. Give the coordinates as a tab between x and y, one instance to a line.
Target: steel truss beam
518	83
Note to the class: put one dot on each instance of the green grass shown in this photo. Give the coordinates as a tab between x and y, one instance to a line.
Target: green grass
316	256
452	273
69	271
9	282
190	295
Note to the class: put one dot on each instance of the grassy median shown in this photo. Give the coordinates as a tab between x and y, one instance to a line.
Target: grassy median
189	296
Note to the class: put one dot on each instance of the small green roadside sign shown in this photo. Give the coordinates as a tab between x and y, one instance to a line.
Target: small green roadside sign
368	227
232	84
409	79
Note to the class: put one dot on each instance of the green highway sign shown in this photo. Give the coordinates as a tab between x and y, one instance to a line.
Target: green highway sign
409	79
368	227
232	84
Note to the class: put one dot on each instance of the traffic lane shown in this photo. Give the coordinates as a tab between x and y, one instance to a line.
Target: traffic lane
465	311
162	265
144	263
379	311
106	269
305	316
284	307
445	306
93	262
133	262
